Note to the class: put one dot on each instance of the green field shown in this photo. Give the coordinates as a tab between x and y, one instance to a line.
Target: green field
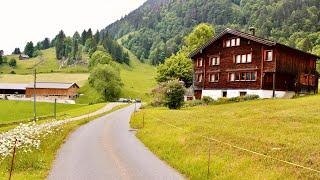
15	111
287	129
45	63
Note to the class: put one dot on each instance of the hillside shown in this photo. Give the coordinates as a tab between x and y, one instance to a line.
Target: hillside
157	28
283	129
45	63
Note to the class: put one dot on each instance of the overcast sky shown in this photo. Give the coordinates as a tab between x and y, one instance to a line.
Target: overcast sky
33	20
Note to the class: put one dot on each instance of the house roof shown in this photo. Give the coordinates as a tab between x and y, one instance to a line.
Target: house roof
51	85
244	35
13	86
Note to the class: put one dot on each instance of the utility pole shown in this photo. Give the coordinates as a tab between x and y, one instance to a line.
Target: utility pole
34	96
55	109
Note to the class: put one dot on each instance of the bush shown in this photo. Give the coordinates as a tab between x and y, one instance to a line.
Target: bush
12	72
13	62
194	103
174	94
251	97
207	100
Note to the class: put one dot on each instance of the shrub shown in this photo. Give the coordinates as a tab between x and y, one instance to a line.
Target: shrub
12	72
13	62
174	93
194	103
251	97
207	100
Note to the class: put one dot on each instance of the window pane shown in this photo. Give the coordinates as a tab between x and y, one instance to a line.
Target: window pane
232	77
244	58
248	76
233	42
269	56
200	63
243	76
238	42
238	58
237	76
228	43
249	58
218	60
253	76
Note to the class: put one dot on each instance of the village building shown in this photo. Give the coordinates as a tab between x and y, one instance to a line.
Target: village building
43	90
51	90
23	57
235	64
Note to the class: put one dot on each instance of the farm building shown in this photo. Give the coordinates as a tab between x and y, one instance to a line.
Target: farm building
23	57
53	90
9	88
235	64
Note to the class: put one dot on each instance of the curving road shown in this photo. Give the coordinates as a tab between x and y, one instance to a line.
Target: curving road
106	149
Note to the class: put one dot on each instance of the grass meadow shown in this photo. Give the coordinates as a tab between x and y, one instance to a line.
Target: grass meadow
36	165
15	111
45	63
287	129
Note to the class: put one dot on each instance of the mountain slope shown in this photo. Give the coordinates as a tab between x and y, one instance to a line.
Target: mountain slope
158	26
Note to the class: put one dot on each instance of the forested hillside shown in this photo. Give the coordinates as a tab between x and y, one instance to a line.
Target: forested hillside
156	29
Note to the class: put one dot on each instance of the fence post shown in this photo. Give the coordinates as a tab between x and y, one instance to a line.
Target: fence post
143	120
13	156
209	159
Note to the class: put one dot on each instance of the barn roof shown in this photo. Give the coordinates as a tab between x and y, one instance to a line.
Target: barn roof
13	86
51	85
247	36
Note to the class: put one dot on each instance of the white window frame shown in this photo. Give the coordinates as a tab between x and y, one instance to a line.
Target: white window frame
215	61
243	58
214	77
233	42
228	43
238	42
199	77
266	55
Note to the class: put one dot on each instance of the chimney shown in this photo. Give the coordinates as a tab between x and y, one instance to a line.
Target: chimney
253	30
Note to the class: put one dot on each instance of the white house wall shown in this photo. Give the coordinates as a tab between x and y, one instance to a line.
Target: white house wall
216	94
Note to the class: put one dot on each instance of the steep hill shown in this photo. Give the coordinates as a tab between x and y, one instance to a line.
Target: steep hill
156	28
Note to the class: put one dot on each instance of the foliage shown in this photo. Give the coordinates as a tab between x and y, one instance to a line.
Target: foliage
179	66
60	46
174	93
12	62
29	49
99	57
176	67
207	100
115	49
16	51
106	80
157	28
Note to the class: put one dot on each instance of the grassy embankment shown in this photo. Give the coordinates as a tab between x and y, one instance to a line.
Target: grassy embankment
288	129
37	164
15	111
45	63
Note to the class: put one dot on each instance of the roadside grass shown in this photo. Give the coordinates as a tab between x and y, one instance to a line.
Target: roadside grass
15	111
45	63
79	78
38	163
287	129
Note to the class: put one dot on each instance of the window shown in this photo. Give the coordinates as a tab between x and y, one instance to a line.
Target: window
224	93
199	62
214	77
244	58
199	77
243	93
232	42
228	43
269	55
214	61
238	42
242	76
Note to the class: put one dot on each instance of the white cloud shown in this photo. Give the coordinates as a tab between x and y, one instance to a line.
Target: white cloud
33	20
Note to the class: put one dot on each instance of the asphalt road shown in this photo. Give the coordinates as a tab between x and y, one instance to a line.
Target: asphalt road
106	149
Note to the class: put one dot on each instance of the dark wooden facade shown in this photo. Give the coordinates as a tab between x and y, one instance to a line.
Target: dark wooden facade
268	65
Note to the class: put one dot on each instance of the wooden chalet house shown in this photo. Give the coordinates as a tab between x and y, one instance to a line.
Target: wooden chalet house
237	64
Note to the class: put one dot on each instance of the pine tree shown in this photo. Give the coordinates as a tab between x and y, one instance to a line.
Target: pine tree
83	37
29	49
97	37
59	44
46	43
89	34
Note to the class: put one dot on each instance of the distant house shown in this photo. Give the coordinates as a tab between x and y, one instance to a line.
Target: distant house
23	57
53	90
235	63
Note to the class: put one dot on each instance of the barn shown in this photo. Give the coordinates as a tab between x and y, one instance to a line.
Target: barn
11	88
235	64
52	90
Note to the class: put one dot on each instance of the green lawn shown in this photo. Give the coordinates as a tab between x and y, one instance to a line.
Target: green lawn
15	111
45	63
288	129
